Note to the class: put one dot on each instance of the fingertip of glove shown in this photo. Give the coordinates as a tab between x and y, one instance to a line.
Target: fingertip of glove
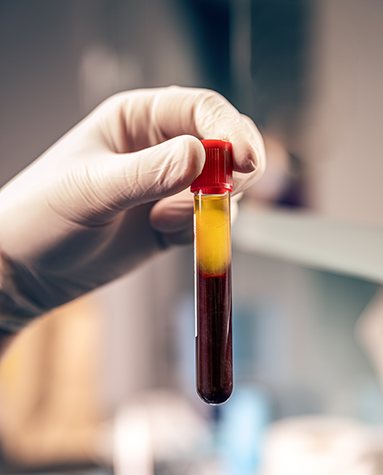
194	154
253	160
249	150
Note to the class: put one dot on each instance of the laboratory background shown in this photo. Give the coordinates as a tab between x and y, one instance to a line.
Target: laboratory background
106	384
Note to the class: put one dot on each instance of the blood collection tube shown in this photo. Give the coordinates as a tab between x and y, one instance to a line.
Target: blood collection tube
212	271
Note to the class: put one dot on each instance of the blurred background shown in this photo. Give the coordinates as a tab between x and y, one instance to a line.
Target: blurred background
105	384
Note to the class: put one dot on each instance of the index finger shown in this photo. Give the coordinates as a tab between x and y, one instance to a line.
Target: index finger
142	118
207	114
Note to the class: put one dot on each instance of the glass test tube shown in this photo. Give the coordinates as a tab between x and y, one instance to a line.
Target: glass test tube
212	244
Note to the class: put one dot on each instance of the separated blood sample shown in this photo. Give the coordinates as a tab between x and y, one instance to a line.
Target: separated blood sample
212	257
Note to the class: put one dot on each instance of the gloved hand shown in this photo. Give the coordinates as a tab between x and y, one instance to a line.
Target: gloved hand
109	194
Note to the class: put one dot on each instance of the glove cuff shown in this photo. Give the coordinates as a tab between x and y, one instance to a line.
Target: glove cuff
16	310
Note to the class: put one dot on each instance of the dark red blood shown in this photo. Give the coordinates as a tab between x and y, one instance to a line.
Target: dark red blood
214	342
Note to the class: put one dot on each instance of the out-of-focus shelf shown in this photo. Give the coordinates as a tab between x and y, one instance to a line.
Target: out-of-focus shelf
77	469
313	241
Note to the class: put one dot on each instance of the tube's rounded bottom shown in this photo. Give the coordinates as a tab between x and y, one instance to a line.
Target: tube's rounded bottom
215	397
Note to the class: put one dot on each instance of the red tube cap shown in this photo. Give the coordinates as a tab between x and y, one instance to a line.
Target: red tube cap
217	174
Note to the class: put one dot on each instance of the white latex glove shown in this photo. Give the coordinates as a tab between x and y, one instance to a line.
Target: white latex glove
106	196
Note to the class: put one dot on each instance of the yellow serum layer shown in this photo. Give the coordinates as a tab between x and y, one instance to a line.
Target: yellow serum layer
212	233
